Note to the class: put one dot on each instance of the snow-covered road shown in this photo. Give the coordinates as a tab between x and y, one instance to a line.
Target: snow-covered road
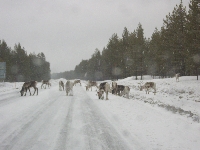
52	120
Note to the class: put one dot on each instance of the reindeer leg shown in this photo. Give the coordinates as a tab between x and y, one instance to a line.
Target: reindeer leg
67	92
25	91
107	95
72	92
34	90
127	95
29	91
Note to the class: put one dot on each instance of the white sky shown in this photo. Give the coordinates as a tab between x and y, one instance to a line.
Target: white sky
69	31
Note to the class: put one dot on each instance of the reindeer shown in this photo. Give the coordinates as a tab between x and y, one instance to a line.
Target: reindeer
28	85
69	87
147	86
177	77
90	84
125	91
114	87
122	90
77	81
61	85
104	87
46	82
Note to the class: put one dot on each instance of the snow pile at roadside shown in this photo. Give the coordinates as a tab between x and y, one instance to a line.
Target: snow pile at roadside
178	97
167	120
181	97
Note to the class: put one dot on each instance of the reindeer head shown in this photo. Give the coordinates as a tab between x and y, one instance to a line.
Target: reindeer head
87	88
141	85
141	88
22	91
113	91
100	94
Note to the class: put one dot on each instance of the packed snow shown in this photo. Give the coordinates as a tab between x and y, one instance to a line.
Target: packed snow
168	120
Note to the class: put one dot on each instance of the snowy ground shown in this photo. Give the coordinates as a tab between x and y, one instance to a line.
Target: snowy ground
169	120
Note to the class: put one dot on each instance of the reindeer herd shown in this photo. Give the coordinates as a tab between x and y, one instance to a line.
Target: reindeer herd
104	87
68	86
33	84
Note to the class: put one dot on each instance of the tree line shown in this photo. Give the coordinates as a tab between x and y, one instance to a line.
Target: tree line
175	48
21	67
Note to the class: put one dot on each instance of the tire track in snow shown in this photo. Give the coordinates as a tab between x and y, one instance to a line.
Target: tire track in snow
98	130
18	132
44	127
14	91
6	101
85	127
12	97
65	130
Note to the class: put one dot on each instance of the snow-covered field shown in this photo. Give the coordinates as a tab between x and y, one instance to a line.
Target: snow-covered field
169	120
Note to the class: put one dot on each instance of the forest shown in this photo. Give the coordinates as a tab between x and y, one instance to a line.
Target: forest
21	67
175	48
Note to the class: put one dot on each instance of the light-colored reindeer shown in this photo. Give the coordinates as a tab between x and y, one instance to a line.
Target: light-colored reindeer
69	88
147	86
177	77
90	84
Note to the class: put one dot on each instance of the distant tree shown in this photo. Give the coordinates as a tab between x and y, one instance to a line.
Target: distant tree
125	52
193	38
132	61
172	49
175	24
139	51
153	53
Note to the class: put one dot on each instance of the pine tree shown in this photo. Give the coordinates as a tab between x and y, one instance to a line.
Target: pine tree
5	56
175	38
193	37
139	51
133	49
154	52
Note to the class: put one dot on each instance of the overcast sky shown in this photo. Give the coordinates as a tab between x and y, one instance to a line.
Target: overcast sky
69	31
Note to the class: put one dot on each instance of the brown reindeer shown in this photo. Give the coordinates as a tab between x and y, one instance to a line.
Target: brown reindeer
46	82
77	81
27	85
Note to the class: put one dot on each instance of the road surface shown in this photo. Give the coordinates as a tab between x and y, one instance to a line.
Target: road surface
54	121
